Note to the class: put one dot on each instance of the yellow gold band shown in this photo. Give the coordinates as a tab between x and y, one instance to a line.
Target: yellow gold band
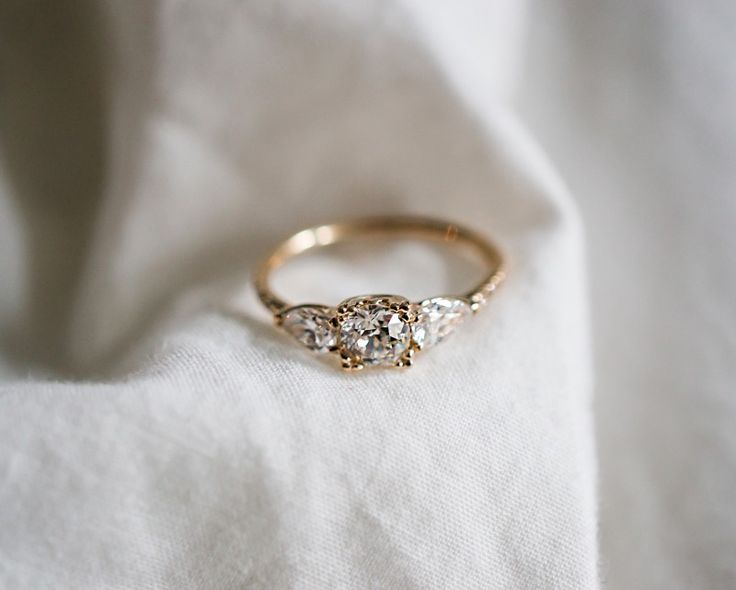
406	227
378	329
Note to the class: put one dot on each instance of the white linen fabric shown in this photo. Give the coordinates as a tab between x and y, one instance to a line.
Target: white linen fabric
638	110
155	431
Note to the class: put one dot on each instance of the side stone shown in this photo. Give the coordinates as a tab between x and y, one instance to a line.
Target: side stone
311	326
437	318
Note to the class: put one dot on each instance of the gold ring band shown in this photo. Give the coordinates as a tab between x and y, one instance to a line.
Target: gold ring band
379	329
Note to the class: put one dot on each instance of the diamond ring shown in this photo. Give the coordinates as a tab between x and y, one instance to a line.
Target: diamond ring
379	330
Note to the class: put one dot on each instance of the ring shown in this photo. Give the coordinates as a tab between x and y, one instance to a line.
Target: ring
379	330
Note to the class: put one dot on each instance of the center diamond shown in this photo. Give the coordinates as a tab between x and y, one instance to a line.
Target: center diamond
375	330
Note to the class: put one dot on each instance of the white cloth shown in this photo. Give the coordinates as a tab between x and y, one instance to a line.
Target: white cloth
155	431
638	111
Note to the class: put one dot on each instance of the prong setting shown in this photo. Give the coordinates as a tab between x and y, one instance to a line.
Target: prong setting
350	363
375	330
407	359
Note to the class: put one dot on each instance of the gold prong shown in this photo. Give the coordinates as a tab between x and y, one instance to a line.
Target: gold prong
351	365
406	315
407	359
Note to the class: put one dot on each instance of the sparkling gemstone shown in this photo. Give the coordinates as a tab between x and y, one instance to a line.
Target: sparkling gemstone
311	326
437	318
374	331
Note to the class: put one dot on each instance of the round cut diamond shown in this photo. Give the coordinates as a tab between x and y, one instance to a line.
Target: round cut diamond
375	330
437	318
311	326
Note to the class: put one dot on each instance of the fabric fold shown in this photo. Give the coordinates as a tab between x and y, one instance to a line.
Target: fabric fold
200	448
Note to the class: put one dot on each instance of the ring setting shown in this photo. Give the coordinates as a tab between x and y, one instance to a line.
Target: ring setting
378	330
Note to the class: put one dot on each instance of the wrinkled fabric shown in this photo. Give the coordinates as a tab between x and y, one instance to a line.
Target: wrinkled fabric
156	431
638	112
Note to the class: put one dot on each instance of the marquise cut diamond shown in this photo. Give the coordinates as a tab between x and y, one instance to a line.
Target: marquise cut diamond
311	326
437	318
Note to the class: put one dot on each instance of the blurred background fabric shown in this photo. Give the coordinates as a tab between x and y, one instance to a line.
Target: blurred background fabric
156	432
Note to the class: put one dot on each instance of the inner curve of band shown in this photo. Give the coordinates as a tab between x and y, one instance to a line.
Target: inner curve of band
393	227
